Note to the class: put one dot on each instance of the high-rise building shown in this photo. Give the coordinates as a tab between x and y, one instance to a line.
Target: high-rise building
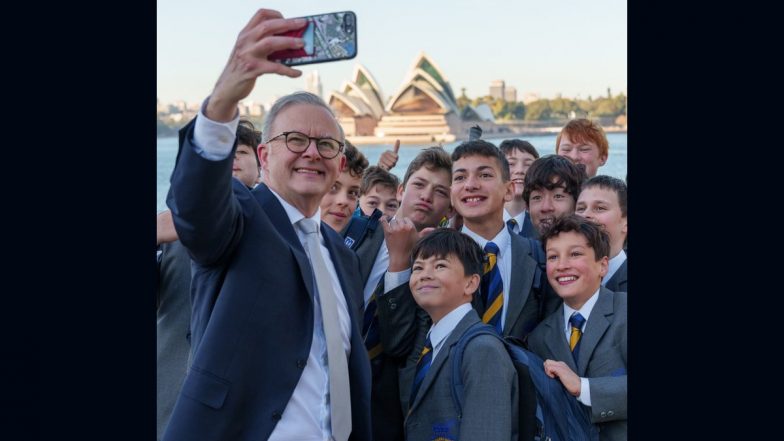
313	83
497	89
510	94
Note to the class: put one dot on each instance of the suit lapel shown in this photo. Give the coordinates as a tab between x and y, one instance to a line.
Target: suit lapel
368	250
443	355
598	322
333	243
271	206
556	339
522	278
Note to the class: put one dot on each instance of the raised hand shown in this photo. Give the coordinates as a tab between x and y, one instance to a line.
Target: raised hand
248	61
389	158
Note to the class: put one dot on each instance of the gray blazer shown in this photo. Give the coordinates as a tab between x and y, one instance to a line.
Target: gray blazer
174	319
618	282
491	397
602	358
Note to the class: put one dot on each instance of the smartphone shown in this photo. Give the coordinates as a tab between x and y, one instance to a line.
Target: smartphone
328	37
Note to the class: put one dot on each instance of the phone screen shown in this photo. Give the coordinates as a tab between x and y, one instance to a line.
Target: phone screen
328	37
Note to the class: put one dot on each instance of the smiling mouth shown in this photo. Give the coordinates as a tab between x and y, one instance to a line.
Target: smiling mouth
565	280
308	171
473	199
423	207
426	288
340	215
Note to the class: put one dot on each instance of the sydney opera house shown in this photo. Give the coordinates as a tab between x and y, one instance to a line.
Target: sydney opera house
424	109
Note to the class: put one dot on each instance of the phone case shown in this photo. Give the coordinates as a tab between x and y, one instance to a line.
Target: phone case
328	37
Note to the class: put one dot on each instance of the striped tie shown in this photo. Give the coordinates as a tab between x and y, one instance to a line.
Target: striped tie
370	331
422	367
577	321
492	289
512	224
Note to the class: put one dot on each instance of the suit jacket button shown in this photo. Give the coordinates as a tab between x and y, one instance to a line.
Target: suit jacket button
604	414
301	364
392	305
610	413
276	416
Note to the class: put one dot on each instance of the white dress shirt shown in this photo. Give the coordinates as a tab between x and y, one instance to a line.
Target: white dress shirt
613	266
441	330
504	260
585	311
307	415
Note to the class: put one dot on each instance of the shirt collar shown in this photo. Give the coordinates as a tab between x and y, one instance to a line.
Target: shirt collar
613	266
293	213
445	326
585	311
502	239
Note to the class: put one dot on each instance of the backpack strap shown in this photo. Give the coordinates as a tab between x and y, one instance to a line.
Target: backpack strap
359	226
458	388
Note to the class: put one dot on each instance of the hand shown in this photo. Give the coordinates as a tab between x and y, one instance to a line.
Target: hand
248	60
165	228
389	158
569	379
400	236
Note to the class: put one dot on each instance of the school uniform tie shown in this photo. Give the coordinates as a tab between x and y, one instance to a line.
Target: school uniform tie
370	331
422	366
512	224
339	389
577	321
492	288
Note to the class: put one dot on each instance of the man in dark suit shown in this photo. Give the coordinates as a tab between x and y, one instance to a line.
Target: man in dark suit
584	342
174	283
603	200
520	155
276	347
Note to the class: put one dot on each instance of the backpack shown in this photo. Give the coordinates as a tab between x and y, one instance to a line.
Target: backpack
547	412
359	226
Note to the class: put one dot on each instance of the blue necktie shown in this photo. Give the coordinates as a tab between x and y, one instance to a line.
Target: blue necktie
492	288
511	223
577	321
422	367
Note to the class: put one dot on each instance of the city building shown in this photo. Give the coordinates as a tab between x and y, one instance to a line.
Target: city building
497	88
510	94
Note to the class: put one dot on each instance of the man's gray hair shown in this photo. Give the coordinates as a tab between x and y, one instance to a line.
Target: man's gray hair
294	98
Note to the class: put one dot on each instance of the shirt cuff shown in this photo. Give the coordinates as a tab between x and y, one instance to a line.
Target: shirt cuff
393	280
211	139
585	392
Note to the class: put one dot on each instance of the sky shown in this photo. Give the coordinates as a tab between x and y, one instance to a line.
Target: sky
576	48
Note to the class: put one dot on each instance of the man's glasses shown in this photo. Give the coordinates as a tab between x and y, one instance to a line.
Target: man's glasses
298	142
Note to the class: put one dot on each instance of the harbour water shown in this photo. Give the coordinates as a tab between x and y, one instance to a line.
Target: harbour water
545	145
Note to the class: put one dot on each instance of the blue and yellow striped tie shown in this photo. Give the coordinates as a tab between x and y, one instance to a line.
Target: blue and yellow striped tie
577	321
422	367
370	331
492	289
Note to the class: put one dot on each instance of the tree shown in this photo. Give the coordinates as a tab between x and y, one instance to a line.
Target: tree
537	110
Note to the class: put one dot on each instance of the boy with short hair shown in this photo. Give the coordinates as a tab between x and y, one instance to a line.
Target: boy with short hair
379	190
384	254
338	205
513	289
552	186
520	155
446	269
603	200
584	142
584	342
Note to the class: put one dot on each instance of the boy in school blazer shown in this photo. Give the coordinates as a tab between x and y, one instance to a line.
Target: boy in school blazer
445	273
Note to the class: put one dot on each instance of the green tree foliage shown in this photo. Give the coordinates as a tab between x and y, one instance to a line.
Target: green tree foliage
538	110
